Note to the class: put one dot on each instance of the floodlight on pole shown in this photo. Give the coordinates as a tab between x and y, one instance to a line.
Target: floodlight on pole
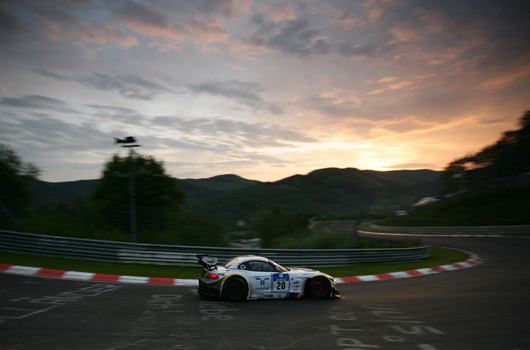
130	142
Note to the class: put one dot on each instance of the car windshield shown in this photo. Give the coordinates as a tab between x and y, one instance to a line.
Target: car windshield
279	267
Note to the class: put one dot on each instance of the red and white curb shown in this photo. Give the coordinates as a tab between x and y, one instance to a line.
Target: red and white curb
98	277
428	234
89	276
474	260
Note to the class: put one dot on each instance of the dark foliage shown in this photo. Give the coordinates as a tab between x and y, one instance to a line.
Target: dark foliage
156	194
15	195
496	165
337	192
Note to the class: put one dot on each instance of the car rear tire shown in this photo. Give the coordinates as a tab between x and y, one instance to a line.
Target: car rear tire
235	289
318	288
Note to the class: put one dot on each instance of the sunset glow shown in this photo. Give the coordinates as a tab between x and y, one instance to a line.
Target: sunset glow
260	89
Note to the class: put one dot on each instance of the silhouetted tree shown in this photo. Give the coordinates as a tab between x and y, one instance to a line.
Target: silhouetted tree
507	157
15	195
158	195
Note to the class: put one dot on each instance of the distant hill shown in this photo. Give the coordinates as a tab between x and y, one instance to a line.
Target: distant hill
324	191
199	189
52	193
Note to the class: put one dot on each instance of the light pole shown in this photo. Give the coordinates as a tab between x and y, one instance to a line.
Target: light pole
130	142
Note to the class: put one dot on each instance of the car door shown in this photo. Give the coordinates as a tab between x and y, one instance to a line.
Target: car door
260	277
281	284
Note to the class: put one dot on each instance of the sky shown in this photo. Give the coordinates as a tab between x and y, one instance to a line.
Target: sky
260	89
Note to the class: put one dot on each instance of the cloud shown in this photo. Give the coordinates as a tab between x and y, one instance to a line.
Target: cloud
403	126
490	34
33	101
390	83
140	88
90	34
63	21
99	123
239	91
118	114
129	86
353	49
233	133
343	104
49	137
50	74
331	28
11	28
167	25
120	24
37	102
295	36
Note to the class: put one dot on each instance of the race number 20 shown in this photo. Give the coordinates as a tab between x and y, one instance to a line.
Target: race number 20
280	282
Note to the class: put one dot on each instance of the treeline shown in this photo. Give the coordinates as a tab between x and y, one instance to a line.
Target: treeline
332	192
108	213
490	187
277	214
501	164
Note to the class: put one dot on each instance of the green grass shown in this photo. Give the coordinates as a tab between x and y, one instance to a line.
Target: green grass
100	267
439	256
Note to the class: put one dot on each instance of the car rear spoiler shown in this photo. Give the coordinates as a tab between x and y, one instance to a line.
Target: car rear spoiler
208	262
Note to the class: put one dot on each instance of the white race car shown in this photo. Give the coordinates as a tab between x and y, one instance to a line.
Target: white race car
255	277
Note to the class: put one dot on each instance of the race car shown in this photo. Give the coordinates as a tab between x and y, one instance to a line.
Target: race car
254	277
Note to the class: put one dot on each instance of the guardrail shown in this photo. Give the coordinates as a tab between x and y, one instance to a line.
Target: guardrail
123	252
484	230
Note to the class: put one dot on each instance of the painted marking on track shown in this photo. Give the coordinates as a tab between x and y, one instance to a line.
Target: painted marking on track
23	307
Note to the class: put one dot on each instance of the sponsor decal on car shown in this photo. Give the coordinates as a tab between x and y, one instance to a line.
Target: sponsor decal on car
264	283
280	282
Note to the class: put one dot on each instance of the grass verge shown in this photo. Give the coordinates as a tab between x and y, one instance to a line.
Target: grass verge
439	256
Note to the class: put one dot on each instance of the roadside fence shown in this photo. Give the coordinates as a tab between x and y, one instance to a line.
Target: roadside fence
483	230
157	254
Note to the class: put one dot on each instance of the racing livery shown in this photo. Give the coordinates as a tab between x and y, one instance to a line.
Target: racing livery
255	277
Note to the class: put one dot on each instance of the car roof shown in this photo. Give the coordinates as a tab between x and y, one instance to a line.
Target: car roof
244	258
251	257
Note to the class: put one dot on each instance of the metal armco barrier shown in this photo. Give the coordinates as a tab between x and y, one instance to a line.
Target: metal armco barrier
123	252
484	230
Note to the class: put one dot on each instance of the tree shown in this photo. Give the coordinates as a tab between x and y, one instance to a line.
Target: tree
506	158
157	195
193	230
15	195
272	223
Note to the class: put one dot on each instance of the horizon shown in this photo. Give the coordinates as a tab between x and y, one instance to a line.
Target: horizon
244	178
262	89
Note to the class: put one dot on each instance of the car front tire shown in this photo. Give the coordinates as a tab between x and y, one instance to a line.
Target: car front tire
318	288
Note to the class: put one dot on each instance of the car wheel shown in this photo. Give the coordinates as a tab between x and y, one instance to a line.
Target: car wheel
318	288
235	289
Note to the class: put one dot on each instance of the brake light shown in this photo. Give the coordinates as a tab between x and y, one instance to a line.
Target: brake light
211	276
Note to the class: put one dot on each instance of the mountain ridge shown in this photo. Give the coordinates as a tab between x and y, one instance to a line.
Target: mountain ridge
327	190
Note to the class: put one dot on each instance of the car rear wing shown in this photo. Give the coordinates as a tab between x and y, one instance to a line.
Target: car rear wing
208	262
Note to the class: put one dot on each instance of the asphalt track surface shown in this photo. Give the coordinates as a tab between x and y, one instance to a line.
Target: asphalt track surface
483	307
